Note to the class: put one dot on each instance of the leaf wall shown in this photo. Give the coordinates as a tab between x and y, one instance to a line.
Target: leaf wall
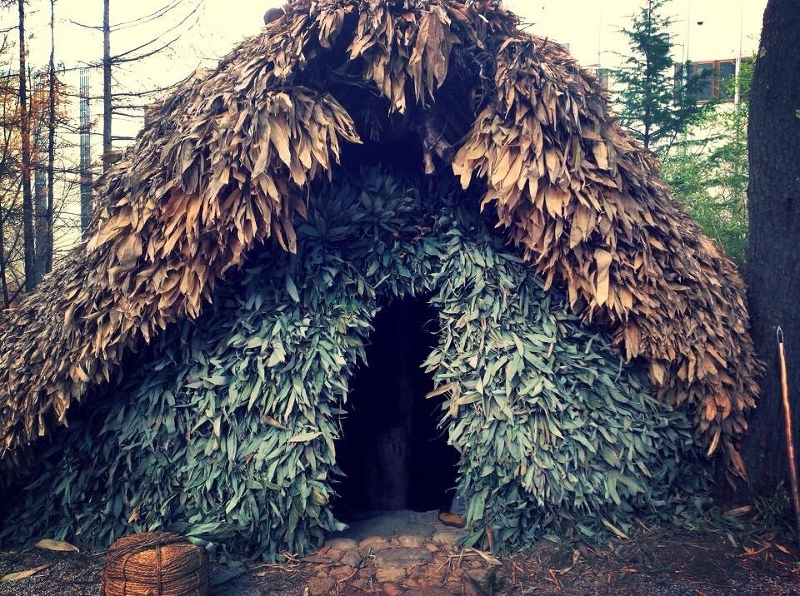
227	430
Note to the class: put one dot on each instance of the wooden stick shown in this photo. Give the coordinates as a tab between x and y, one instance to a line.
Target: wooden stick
789	439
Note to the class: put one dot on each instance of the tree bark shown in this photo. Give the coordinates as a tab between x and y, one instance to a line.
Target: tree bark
773	266
51	142
106	83
25	130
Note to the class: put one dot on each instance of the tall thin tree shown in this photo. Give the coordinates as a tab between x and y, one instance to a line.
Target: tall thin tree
25	129
107	99
51	141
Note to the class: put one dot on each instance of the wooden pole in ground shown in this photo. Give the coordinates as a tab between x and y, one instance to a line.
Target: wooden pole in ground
789	439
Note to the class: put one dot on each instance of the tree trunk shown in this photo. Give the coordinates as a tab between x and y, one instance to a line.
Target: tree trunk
25	129
5	300
51	143
773	267
106	84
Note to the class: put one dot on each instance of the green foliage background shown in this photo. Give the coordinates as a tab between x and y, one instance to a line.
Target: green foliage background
702	147
654	105
226	428
708	169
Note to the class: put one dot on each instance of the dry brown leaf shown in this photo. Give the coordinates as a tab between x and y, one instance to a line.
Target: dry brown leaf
603	260
12	577
56	546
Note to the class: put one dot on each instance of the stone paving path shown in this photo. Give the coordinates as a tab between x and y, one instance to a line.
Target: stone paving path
393	553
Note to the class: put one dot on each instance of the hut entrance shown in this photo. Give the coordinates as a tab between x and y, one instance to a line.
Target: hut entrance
392	453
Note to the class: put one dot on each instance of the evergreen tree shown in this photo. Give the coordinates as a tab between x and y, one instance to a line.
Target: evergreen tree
709	170
654	104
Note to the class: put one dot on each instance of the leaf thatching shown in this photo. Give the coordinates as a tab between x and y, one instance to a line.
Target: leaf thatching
226	157
243	406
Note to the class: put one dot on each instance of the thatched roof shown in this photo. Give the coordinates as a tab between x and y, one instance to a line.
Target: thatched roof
225	158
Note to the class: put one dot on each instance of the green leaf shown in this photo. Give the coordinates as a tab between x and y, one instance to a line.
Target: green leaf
291	288
303	437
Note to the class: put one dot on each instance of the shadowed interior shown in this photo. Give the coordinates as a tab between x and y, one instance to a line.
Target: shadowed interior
392	452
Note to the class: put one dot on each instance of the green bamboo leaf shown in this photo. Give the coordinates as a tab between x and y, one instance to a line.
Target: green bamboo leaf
303	437
291	288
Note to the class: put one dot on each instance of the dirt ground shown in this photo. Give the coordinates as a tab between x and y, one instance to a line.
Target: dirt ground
670	562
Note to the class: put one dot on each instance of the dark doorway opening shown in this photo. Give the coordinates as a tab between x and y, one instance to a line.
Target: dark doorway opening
392	452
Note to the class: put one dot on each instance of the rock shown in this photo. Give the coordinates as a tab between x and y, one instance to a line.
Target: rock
325	555
470	590
342	544
403	557
353	558
318	586
445	538
342	572
390	589
390	574
430	575
476	575
411	541
367	573
376	543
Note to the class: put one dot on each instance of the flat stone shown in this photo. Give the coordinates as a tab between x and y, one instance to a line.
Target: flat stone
445	538
342	544
353	558
410	541
390	574
376	543
318	586
403	557
342	572
390	589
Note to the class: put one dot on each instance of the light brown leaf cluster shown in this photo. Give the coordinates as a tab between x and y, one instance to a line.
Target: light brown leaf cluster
398	47
226	157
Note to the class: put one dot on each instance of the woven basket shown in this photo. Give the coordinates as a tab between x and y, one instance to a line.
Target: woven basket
155	564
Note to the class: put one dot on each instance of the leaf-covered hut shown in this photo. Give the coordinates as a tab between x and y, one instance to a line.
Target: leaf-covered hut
202	338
